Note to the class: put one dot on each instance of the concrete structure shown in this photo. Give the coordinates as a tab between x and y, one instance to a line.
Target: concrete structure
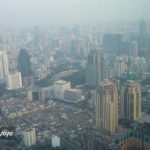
130	105
107	106
14	81
73	95
59	87
4	67
36	94
29	137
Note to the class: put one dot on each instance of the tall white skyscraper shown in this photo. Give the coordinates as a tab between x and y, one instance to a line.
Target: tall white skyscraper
4	67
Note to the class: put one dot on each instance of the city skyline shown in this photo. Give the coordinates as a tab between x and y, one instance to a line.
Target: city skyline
74	75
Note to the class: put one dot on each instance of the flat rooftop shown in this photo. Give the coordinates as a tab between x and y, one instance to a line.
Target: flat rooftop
61	82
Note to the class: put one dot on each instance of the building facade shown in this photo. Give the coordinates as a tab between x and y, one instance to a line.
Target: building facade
59	88
95	69
29	137
130	100
4	67
14	81
73	95
24	66
107	106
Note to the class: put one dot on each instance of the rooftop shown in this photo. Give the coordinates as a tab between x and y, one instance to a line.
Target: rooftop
60	82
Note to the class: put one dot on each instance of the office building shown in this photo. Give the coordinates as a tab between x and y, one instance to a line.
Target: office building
134	49
4	66
142	28
14	81
130	100
143	39
24	66
59	88
120	66
95	68
75	47
29	137
36	94
113	43
107	106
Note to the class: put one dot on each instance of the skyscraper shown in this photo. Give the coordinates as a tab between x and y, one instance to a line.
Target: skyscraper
95	69
4	68
143	28
112	43
24	66
120	66
130	100
143	40
134	49
107	106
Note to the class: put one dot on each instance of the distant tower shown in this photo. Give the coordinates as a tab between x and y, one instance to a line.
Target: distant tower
75	47
134	49
130	100
24	66
120	66
95	68
143	29
4	68
107	106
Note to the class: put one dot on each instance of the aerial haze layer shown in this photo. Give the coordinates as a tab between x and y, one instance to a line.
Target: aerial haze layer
46	12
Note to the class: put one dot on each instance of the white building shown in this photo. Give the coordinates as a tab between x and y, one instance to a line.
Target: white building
14	81
55	141
4	69
29	137
59	87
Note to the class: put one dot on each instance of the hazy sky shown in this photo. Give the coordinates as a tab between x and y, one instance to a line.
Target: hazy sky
44	12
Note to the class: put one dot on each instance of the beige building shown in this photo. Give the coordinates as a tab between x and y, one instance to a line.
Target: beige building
130	105
29	137
14	81
107	106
